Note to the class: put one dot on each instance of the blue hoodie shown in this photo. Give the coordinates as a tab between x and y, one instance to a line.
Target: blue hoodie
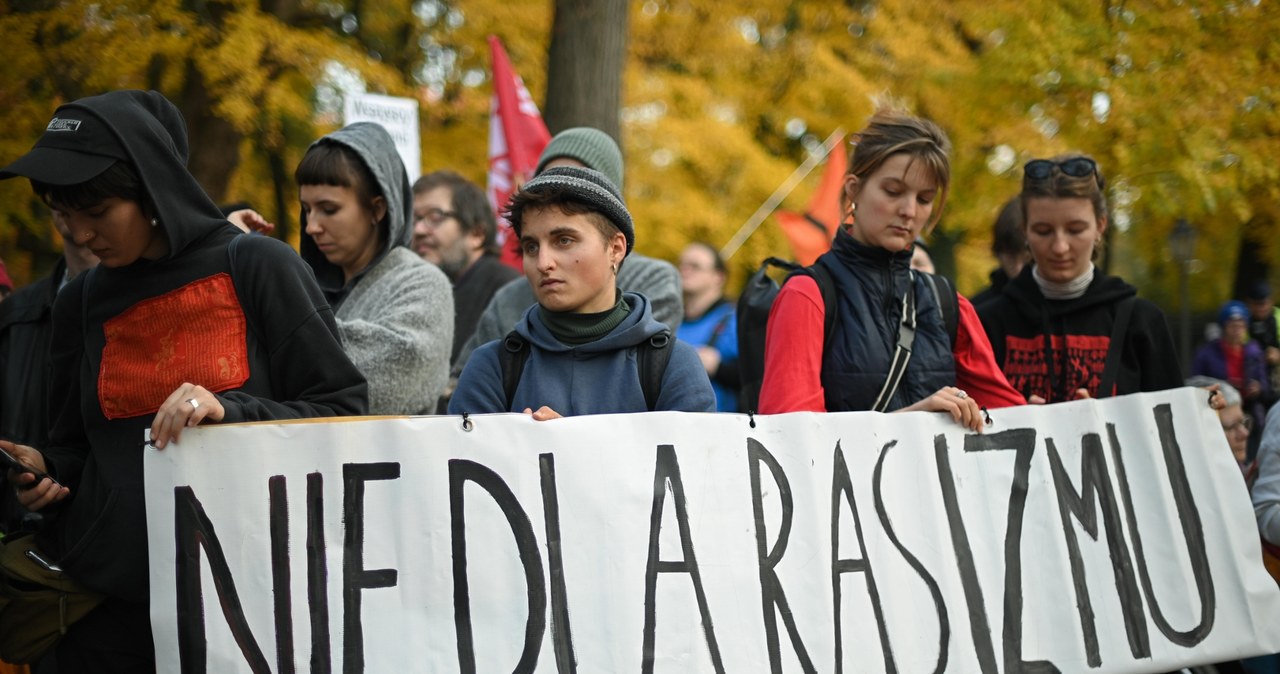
599	377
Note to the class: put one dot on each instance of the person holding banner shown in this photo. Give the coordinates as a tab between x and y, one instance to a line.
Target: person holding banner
184	322
1062	329
657	280
394	309
894	191
586	347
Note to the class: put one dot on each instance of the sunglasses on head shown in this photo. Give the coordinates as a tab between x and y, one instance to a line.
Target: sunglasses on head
1075	167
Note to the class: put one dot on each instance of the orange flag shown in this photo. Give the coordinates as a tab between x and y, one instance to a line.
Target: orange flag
810	233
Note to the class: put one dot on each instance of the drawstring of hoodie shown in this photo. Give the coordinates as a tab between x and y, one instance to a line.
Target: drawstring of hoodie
1051	364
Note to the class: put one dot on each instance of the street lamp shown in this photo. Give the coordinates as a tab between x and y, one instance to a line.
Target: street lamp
1182	243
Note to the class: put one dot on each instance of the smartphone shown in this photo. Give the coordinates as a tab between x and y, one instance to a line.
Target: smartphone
12	463
35	557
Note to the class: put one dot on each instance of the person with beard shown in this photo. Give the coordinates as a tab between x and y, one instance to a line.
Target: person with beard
184	322
1062	329
454	229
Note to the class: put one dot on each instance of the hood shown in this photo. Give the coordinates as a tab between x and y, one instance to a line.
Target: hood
1026	296
154	136
374	146
638	326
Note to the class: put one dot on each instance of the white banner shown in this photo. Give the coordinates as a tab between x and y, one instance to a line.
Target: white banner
1108	536
399	116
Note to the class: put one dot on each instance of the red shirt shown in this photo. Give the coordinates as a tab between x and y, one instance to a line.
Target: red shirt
793	355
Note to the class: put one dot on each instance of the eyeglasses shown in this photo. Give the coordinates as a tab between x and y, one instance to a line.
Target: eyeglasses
1075	167
435	216
1244	422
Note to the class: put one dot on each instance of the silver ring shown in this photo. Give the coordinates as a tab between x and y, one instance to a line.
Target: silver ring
961	394
195	404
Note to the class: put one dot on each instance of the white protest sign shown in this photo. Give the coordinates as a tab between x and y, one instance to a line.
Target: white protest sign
399	116
1107	536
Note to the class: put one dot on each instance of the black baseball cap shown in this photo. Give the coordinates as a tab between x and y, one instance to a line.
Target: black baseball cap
77	145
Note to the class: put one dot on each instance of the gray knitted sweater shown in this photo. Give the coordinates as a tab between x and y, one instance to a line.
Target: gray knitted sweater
395	317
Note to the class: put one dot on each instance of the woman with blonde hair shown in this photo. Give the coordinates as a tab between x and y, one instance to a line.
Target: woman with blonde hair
889	346
1062	329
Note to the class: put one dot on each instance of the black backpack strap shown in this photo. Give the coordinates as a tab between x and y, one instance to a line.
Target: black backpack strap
1111	370
830	304
948	302
512	355
652	357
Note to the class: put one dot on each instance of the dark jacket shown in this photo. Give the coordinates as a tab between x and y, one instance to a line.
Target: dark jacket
246	321
999	280
471	294
26	324
1051	348
871	283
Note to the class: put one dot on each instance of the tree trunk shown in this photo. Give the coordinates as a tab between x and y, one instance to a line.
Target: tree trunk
215	143
584	65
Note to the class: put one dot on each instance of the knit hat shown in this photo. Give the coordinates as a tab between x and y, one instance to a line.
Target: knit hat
1233	310
1258	290
588	187
592	147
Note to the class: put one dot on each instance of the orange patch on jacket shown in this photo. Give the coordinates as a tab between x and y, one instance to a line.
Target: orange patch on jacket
193	334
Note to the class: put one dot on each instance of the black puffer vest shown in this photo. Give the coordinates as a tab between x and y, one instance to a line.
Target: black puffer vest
871	283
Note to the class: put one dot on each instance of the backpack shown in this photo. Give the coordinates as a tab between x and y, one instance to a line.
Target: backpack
652	357
756	301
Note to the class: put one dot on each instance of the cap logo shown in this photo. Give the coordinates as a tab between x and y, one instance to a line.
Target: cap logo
59	124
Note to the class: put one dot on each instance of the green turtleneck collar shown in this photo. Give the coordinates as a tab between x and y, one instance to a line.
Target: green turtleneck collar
576	329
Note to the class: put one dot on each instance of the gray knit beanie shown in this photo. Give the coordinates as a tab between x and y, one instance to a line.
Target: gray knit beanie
592	147
591	188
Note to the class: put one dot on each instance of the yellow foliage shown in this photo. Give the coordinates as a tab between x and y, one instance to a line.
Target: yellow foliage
1177	99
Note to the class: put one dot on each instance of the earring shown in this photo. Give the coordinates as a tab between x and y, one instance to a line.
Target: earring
154	222
614	267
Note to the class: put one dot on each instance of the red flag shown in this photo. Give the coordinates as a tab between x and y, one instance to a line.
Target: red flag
810	233
517	136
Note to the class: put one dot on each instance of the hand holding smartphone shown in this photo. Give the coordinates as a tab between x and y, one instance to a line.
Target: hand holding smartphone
12	463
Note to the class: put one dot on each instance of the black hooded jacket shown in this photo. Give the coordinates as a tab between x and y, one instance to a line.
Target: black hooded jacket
240	315
1051	348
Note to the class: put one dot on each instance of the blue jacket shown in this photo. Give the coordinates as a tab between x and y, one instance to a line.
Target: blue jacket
718	328
599	377
1211	361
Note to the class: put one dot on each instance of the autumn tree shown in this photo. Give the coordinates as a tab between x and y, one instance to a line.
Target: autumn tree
720	101
244	74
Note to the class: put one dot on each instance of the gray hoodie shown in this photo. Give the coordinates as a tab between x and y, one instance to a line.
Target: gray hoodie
396	316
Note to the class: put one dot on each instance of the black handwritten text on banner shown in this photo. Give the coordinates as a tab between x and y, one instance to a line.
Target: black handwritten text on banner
1108	536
